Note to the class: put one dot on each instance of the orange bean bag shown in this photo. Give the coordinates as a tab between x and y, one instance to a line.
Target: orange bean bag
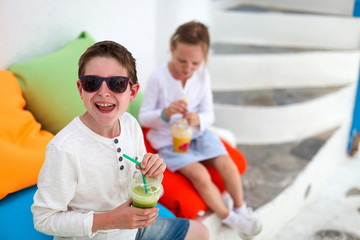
22	142
179	195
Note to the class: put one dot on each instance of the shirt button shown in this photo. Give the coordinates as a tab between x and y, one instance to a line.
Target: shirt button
116	140
120	159
119	150
121	167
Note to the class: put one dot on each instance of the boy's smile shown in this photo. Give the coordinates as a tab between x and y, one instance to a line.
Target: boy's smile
105	107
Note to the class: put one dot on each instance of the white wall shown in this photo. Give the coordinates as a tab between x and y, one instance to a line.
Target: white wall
29	29
171	14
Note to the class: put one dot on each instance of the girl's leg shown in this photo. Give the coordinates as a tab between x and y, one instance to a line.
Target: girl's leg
200	178
231	177
242	220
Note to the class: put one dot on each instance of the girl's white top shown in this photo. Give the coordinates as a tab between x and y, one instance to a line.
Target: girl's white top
162	89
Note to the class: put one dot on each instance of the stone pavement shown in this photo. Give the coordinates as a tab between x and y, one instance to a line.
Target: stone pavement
334	214
273	167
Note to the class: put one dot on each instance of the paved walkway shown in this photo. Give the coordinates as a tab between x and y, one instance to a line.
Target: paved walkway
334	214
273	167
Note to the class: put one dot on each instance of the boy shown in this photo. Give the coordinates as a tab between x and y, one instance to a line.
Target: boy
82	186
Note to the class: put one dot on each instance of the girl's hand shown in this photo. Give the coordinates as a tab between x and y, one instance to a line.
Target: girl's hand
152	165
178	106
192	119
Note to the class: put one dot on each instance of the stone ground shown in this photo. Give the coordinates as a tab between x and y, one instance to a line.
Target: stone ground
334	214
273	167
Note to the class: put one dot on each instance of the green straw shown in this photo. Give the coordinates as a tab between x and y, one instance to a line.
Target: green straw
139	164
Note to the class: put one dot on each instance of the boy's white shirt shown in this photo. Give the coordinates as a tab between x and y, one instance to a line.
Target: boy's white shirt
81	175
162	89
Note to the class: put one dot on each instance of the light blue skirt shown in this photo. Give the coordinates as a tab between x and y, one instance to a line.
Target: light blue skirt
204	147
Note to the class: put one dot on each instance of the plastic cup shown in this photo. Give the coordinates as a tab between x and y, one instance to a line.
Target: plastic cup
140	199
181	133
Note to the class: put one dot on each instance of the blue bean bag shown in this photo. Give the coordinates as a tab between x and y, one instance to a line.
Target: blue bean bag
16	219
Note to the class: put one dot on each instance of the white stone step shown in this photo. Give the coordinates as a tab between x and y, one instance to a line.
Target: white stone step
333	7
279	124
285	29
276	70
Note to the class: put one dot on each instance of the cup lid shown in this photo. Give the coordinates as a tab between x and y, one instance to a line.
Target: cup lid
154	187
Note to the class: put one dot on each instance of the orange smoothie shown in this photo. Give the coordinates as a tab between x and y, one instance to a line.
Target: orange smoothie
181	133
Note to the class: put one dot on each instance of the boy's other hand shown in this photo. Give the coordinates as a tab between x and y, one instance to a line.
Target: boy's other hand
152	165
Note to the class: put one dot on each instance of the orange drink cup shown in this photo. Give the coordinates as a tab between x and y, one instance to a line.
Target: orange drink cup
181	133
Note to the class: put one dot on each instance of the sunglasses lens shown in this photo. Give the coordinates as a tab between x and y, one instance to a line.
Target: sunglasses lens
91	83
117	84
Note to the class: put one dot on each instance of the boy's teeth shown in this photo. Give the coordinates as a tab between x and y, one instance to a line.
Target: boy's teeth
103	104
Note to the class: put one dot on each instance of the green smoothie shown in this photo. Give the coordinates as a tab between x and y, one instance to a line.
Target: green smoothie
141	199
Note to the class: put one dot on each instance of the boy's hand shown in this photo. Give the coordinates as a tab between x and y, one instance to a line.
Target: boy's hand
125	217
152	165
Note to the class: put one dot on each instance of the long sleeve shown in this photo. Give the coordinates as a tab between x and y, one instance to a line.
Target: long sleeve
57	183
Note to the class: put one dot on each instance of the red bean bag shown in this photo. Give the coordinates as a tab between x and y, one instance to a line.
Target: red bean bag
179	195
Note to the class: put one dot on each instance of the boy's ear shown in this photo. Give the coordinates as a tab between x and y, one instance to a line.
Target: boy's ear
134	90
78	83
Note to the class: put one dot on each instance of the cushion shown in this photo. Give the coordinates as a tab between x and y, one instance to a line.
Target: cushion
49	84
179	195
16	218
22	142
164	212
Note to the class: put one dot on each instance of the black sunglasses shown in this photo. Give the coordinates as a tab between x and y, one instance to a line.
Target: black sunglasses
116	84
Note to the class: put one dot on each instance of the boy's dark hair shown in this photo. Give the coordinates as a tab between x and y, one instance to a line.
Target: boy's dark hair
109	49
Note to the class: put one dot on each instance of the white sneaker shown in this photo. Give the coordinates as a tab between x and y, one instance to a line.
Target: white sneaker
245	224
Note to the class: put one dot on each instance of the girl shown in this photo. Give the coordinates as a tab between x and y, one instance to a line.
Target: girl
185	77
